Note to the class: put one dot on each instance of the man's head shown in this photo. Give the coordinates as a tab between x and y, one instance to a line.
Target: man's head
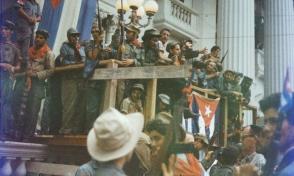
73	36
211	67
136	91
41	38
114	135
156	130
7	29
270	106
188	44
249	144
229	76
228	155
151	37
215	51
175	48
97	34
164	102
165	33
132	32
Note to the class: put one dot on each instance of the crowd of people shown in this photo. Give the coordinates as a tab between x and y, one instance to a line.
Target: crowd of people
116	141
266	150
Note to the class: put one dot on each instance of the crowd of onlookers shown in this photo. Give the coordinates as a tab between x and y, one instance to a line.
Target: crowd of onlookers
115	140
266	150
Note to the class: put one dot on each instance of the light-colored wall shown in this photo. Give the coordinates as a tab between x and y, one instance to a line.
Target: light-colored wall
207	23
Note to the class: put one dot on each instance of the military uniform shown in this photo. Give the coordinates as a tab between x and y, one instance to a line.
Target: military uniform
93	88
9	54
131	52
71	91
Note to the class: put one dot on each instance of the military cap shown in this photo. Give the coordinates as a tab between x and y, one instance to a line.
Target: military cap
72	31
43	32
150	33
164	99
132	28
138	86
9	24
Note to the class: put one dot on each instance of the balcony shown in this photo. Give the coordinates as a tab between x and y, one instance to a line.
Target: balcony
178	17
55	156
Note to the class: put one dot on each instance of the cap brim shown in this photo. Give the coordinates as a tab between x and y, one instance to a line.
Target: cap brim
136	121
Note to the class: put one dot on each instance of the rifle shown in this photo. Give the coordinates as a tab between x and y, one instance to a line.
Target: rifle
223	58
121	47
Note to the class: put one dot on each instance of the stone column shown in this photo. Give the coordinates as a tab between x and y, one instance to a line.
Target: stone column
279	44
235	33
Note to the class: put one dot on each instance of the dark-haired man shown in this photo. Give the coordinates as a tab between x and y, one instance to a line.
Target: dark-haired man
40	67
10	61
268	140
164	33
286	165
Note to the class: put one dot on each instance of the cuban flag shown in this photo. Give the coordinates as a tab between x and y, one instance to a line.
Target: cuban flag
206	115
286	95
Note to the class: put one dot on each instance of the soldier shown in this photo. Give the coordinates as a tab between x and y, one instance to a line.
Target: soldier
95	56
72	85
10	61
213	56
189	53
133	103
175	54
131	55
28	15
40	68
154	51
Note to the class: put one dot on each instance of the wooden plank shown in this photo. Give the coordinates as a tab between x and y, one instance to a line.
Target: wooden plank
51	169
148	72
206	92
110	89
59	140
150	105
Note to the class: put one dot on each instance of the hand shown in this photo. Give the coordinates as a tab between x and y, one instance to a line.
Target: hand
32	21
203	51
169	170
127	62
209	155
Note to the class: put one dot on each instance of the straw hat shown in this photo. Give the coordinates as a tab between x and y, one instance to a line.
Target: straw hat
114	135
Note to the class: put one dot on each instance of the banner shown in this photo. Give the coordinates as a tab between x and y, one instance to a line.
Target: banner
206	116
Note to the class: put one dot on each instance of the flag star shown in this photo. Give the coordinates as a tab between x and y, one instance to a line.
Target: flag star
207	111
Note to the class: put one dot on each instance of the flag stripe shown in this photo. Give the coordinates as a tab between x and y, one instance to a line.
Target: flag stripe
86	18
50	20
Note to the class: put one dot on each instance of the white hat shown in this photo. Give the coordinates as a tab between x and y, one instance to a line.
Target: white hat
114	135
164	98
